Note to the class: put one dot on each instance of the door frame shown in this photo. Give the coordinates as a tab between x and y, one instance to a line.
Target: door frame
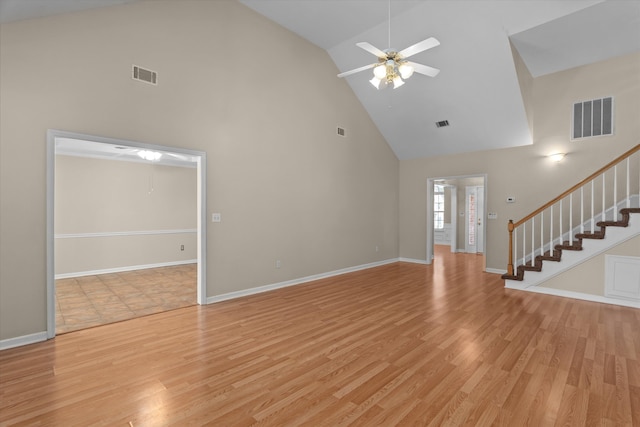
429	237
201	162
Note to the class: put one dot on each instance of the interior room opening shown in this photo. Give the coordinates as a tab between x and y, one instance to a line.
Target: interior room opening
456	212
125	230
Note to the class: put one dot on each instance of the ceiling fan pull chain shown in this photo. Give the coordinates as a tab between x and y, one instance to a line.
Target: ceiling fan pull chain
389	36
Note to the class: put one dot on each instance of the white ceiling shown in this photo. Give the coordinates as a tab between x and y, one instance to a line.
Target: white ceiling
123	152
477	89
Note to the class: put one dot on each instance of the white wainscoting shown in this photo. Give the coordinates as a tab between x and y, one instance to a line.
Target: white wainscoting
622	277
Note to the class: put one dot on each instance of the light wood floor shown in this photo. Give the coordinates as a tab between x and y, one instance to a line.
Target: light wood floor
87	301
401	344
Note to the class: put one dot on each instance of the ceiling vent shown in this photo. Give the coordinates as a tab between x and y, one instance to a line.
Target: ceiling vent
442	123
144	75
341	131
592	118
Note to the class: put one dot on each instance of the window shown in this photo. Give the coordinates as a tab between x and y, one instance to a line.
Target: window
438	207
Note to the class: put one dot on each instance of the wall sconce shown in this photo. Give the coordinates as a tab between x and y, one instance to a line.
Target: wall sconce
556	157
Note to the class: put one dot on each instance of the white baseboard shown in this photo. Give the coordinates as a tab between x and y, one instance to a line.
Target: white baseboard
413	260
23	340
574	295
495	270
273	286
122	269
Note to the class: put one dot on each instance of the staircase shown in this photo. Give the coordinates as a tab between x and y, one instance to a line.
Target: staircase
557	237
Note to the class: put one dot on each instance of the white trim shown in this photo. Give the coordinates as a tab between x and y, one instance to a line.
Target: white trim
285	284
122	269
453	234
23	340
571	294
495	270
51	271
124	233
413	260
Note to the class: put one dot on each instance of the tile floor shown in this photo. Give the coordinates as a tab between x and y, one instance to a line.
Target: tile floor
87	301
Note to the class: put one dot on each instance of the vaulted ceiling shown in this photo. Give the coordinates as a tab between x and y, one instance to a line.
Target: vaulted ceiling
477	90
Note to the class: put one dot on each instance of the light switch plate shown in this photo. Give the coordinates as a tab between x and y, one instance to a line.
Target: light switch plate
216	217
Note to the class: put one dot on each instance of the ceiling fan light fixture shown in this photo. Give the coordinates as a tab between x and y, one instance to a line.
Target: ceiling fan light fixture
397	82
380	71
405	70
375	82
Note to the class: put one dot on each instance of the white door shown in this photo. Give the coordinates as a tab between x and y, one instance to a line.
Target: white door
474	219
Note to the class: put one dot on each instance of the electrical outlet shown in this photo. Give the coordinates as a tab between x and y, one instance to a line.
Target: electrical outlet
376	249
278	263
216	217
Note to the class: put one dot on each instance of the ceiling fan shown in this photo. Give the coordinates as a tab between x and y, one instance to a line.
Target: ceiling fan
392	66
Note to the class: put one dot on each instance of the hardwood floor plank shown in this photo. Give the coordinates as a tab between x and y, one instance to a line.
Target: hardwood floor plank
444	344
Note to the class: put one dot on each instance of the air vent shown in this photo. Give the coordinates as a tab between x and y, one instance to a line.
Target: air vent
144	75
592	118
341	132
442	123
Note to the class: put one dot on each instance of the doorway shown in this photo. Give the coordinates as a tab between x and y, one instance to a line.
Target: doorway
459	215
88	146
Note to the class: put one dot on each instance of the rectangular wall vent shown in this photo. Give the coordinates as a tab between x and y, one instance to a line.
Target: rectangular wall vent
442	123
341	131
144	75
592	118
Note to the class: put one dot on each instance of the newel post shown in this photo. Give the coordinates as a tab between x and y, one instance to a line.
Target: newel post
510	227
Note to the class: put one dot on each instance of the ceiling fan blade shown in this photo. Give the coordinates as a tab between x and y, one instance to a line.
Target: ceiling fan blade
357	70
371	49
424	69
419	47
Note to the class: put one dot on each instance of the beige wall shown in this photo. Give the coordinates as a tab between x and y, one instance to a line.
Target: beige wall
260	101
525	172
112	197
